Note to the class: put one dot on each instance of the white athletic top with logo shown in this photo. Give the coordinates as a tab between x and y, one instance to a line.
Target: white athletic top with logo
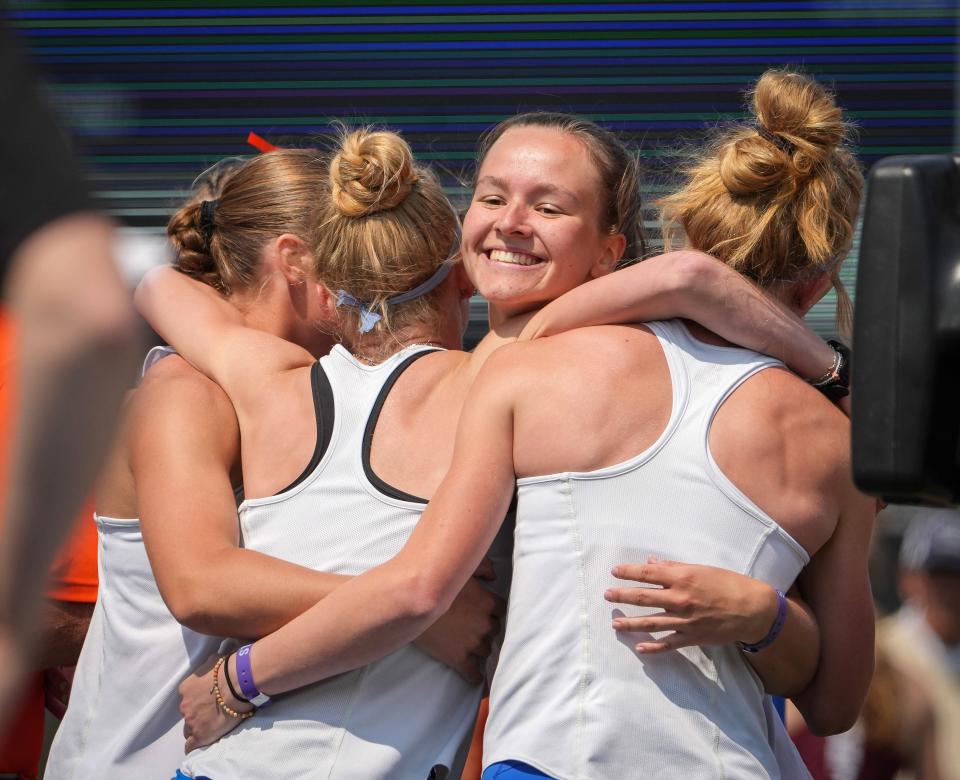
397	718
124	718
570	696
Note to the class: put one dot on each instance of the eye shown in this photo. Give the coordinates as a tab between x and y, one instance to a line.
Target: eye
548	209
491	200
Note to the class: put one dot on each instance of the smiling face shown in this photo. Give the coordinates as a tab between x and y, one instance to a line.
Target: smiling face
533	230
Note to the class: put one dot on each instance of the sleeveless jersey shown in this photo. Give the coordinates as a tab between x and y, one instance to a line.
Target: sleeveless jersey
400	716
124	718
570	696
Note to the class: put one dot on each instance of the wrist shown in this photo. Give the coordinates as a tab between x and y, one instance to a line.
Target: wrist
221	695
762	613
820	362
230	691
244	669
773	631
834	383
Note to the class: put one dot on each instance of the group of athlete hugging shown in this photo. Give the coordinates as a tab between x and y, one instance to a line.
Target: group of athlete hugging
663	487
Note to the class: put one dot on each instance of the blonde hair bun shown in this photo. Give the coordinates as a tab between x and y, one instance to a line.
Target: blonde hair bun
373	171
800	110
798	126
776	199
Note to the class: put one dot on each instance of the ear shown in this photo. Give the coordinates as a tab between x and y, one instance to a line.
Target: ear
613	248
806	294
292	258
326	300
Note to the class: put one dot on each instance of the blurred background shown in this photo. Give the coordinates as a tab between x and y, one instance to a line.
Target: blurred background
154	91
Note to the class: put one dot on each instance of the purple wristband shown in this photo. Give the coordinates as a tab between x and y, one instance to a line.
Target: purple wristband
245	679
772	634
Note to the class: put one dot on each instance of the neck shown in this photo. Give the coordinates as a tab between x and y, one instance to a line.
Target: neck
375	347
505	323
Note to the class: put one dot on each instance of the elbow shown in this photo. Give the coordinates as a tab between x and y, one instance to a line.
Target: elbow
829	712
830	718
424	599
188	603
146	292
692	272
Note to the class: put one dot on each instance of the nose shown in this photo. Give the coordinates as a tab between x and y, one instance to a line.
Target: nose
512	220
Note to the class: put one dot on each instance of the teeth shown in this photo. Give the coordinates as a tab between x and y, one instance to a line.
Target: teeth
513	257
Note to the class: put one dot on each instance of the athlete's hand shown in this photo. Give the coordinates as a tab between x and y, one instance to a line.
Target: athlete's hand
462	638
203	721
701	605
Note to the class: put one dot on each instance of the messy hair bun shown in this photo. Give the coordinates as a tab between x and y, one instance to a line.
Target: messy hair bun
219	234
373	171
776	199
798	126
388	229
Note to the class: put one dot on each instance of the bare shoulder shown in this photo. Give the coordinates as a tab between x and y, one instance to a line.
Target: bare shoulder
793	410
174	392
784	445
610	350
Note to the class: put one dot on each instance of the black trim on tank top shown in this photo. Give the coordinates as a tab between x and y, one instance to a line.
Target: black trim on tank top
379	484
323	410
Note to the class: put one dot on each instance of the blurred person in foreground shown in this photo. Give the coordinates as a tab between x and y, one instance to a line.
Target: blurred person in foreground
63	616
923	638
76	344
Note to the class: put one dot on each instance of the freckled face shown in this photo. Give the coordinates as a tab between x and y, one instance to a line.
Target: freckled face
532	231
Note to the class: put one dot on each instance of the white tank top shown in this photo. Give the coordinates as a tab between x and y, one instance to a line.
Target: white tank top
570	696
396	718
124	718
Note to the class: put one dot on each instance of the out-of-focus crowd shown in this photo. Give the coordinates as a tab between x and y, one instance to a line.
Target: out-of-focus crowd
910	724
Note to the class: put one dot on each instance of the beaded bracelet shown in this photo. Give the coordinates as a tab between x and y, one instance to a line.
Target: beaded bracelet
774	631
215	690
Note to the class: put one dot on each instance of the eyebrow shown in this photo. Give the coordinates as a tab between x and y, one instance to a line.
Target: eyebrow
545	189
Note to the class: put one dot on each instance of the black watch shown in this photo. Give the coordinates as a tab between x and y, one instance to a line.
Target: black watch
836	385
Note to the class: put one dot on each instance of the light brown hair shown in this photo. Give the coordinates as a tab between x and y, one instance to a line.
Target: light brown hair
387	228
618	171
776	199
249	204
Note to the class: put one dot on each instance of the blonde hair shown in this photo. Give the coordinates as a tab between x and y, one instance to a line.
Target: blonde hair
776	200
618	172
248	205
387	228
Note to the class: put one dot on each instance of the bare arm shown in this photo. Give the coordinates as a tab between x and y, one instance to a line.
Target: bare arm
836	585
209	333
694	286
77	352
705	605
183	444
385	608
382	610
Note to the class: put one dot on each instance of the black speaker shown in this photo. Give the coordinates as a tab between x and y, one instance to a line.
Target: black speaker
906	361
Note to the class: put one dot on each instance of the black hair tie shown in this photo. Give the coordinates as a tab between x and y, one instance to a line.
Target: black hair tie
208	212
777	140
